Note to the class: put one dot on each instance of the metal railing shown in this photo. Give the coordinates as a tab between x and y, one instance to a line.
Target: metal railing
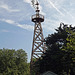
37	16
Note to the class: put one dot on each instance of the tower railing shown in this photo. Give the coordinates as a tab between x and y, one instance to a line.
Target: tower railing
37	16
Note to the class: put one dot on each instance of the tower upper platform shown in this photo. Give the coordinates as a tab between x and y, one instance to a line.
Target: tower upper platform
37	17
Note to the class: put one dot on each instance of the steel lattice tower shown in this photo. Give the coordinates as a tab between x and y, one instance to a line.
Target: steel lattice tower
38	47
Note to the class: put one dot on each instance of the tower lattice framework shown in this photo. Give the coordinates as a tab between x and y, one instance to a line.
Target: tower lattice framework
38	46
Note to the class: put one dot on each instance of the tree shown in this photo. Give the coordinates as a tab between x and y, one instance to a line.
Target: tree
13	62
57	57
70	51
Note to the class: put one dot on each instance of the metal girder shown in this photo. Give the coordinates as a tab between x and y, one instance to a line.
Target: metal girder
38	41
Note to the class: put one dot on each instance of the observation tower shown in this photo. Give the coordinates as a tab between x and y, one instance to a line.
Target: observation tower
38	46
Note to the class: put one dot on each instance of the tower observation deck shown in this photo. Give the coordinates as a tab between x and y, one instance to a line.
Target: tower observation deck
37	18
38	46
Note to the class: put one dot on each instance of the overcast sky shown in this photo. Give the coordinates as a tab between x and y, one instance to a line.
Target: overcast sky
16	28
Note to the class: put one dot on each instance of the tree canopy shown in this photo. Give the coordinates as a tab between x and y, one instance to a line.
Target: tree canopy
13	62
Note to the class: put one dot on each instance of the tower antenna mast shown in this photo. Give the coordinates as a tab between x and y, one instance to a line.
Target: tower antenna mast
34	3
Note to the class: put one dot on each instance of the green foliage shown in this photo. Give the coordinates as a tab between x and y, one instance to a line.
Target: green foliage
13	62
70	51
